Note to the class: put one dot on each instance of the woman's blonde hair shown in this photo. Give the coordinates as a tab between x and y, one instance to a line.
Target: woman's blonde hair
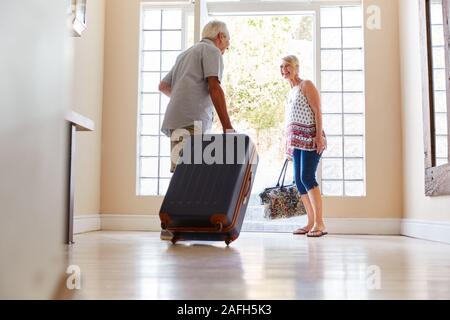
293	61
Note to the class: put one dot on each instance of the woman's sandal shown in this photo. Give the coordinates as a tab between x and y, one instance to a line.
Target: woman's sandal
316	234
301	231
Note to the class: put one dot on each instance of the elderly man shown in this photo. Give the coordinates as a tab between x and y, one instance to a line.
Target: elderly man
193	86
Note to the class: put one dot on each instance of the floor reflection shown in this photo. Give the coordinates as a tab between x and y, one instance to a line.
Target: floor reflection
138	265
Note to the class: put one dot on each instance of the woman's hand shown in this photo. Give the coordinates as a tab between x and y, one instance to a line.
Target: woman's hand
320	144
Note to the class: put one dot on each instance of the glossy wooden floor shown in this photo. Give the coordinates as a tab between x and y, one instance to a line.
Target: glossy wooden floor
138	265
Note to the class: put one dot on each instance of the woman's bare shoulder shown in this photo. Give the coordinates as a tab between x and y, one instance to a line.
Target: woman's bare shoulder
307	86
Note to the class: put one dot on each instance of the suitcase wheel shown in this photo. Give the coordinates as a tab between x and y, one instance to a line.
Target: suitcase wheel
228	241
174	240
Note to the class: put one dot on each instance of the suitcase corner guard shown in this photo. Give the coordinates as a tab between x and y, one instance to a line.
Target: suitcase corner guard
165	220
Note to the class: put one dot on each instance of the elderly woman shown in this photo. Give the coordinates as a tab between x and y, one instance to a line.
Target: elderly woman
305	142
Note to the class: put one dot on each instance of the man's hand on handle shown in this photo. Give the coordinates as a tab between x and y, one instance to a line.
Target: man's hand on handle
229	130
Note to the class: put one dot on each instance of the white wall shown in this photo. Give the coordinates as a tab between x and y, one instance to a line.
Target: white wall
88	101
33	144
416	205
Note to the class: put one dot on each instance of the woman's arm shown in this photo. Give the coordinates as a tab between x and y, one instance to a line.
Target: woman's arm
313	97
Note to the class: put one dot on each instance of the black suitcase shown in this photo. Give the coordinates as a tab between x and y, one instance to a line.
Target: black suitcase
207	200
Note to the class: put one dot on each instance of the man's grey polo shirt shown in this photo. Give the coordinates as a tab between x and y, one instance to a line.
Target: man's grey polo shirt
190	100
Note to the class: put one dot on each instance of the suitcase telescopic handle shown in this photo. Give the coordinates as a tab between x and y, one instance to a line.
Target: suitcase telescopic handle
247	187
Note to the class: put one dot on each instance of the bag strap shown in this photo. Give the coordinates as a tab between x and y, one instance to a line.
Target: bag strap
283	173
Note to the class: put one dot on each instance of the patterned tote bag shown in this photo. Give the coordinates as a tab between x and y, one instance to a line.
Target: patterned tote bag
282	201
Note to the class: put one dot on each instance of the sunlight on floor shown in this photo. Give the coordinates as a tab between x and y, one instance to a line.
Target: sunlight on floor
138	265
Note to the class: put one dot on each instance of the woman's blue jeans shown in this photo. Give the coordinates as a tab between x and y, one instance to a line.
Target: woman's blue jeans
305	167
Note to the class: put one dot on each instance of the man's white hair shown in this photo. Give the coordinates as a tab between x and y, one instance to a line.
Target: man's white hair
213	28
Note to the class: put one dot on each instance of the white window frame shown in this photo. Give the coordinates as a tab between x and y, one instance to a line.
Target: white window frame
440	159
187	9
343	113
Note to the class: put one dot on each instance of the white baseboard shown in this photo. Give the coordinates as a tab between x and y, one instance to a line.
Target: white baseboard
86	223
427	230
363	226
130	222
